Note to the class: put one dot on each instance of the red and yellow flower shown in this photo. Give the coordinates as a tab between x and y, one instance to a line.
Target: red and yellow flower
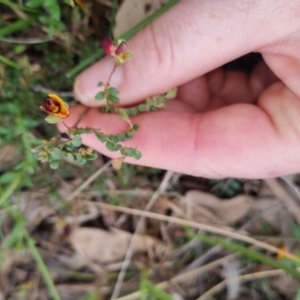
55	106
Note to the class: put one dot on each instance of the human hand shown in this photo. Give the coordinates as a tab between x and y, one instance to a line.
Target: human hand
222	124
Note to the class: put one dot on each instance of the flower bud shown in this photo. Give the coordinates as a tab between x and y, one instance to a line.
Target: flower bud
108	46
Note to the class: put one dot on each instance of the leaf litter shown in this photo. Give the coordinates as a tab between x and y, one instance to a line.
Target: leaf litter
83	246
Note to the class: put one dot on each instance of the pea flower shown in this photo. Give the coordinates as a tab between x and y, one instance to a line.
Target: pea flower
118	51
56	108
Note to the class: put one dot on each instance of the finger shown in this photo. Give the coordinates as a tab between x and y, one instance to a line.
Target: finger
240	140
220	88
237	86
189	40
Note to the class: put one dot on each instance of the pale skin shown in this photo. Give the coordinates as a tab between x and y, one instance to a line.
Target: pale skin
222	124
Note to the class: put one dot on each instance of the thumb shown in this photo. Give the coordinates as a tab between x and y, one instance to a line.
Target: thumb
192	38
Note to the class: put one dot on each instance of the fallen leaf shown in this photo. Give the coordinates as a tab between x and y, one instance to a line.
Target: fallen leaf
108	246
223	211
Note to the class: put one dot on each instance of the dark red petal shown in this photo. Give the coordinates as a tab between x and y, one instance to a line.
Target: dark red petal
121	48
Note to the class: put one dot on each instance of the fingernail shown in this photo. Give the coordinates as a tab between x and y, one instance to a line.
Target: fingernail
85	86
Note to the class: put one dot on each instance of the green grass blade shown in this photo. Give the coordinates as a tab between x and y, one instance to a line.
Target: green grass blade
18	6
113	16
42	267
8	62
127	35
10	189
16	26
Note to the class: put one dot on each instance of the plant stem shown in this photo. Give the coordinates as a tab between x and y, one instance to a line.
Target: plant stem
16	26
41	266
111	74
127	35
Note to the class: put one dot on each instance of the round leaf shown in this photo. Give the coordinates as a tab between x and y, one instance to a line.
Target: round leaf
113	91
57	153
113	147
100	96
113	99
54	164
76	141
51	119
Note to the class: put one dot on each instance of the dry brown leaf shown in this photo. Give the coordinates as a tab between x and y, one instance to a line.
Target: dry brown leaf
223	211
133	12
108	246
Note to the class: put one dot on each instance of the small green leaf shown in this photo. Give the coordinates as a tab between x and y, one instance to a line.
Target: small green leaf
131	111
142	107
113	91
135	127
137	154
70	147
100	137
113	99
57	153
51	119
91	156
121	137
113	147
76	141
54	164
78	157
171	94
82	161
100	96
100	84
129	134
123	114
70	156
79	131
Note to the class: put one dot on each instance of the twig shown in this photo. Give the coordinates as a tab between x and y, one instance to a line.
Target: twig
200	226
243	278
39	88
28	41
139	225
215	249
186	277
89	181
